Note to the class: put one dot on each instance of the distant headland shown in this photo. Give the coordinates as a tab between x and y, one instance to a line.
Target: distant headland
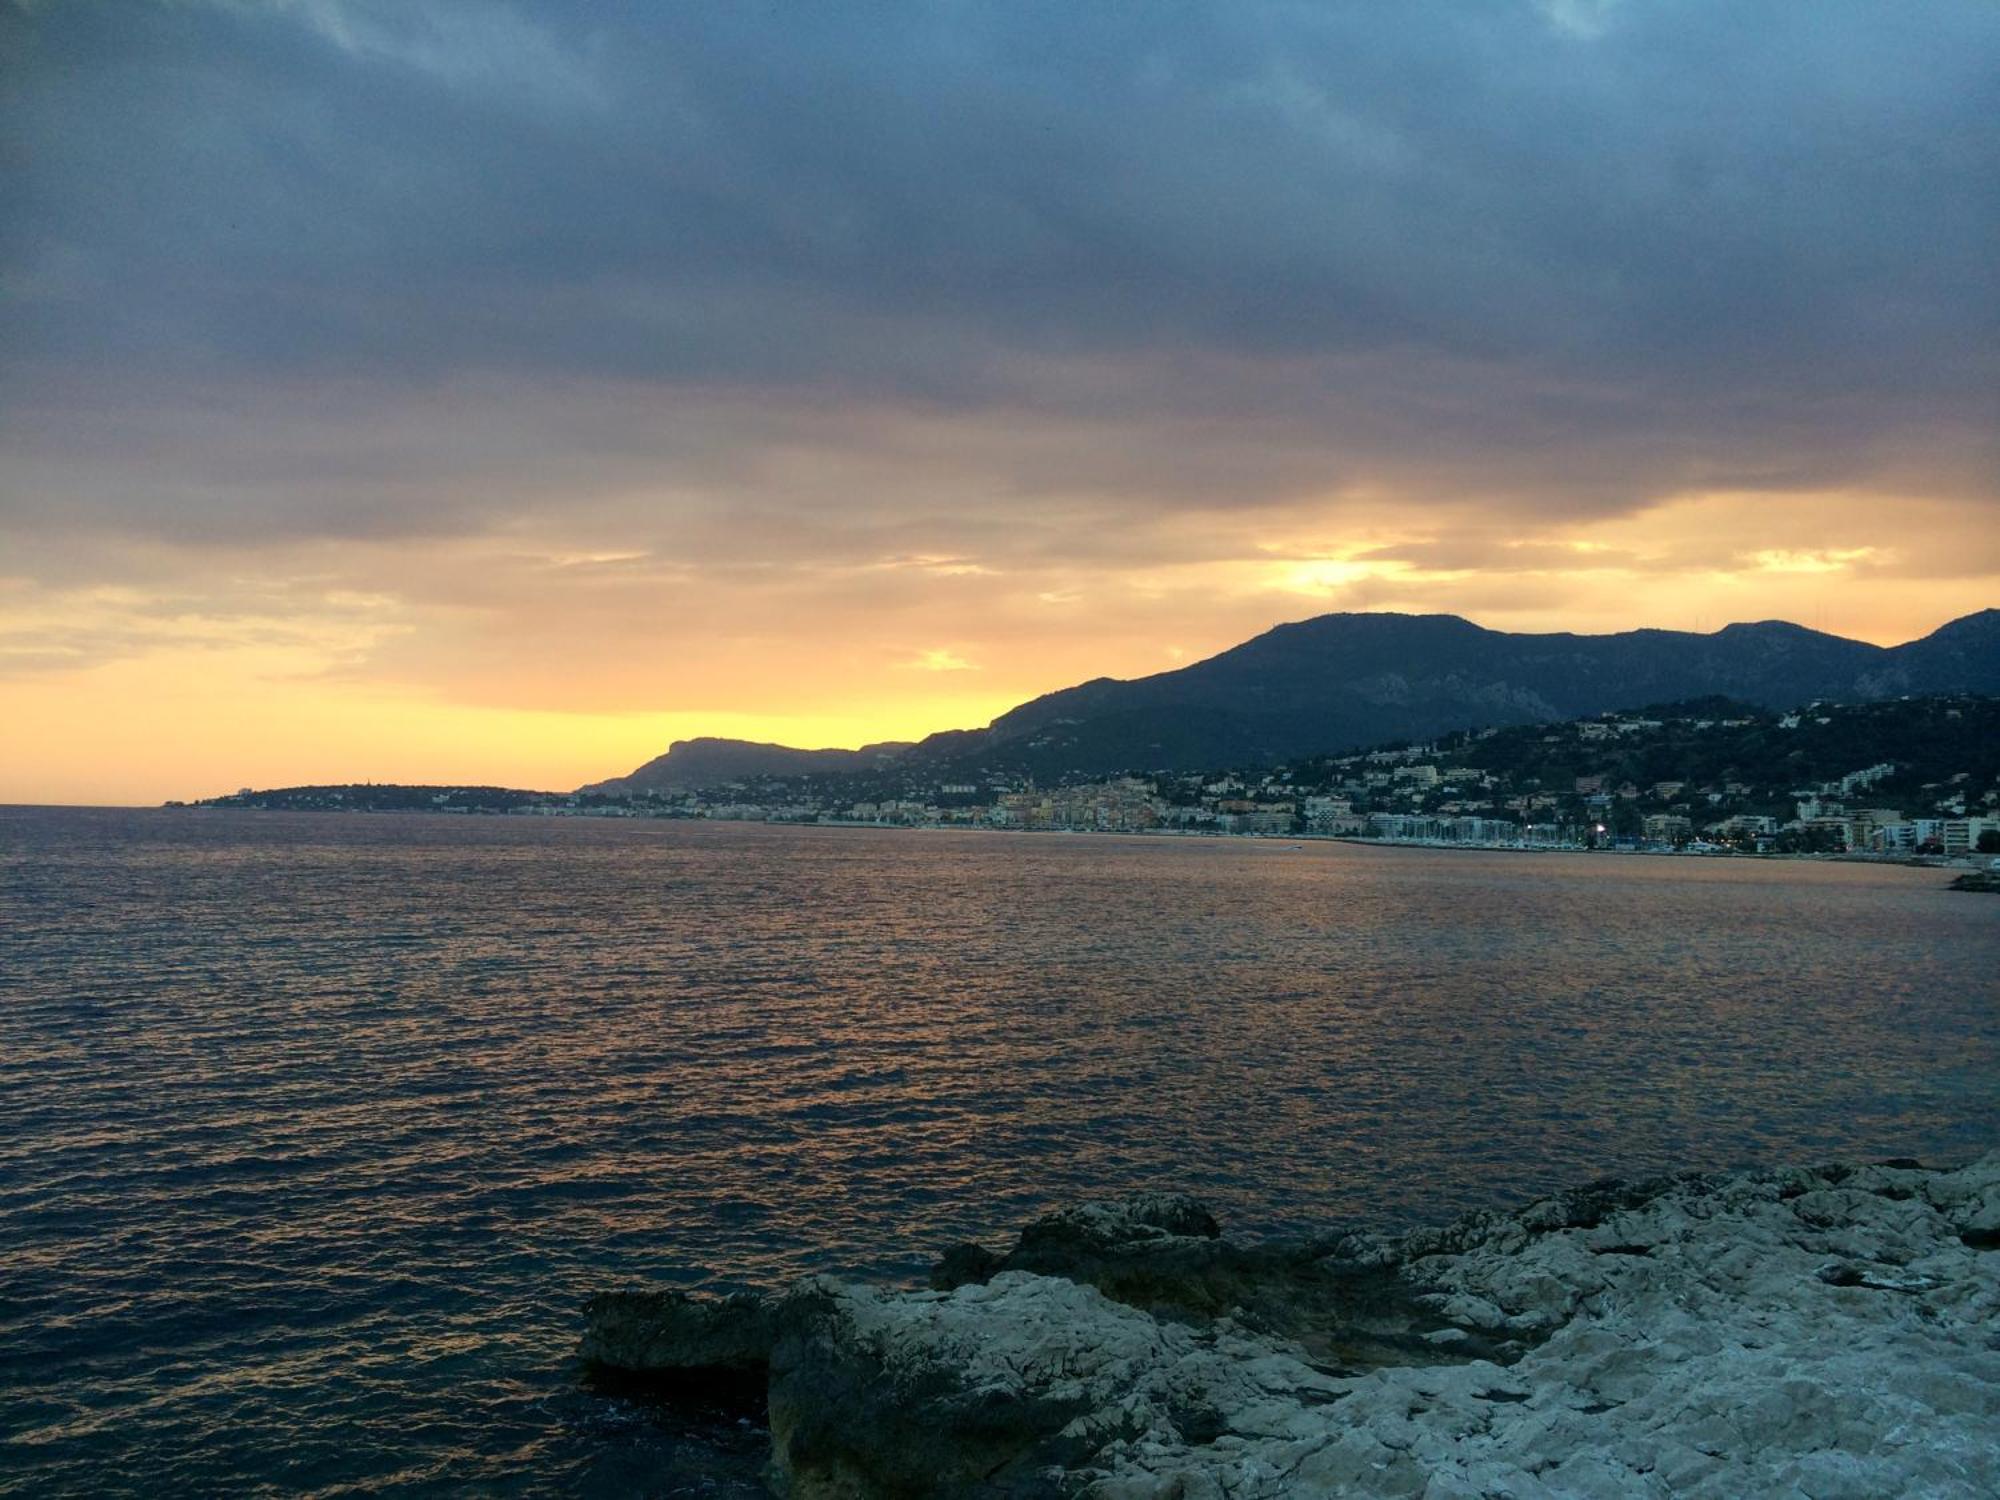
1904	778
1766	738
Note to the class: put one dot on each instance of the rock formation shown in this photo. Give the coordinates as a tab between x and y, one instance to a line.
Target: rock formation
1821	1332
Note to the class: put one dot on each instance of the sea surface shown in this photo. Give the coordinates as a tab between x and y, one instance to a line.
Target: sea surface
315	1130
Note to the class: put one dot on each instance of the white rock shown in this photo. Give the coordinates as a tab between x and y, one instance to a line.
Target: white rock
1693	1348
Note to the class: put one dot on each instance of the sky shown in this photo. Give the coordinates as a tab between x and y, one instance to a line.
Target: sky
488	392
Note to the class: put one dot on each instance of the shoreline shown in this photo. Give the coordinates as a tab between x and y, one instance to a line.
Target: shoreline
1920	862
1817	1329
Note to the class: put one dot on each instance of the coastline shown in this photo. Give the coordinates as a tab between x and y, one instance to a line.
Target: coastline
1815	1330
1920	862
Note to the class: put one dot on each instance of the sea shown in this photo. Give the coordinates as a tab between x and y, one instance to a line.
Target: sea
317	1129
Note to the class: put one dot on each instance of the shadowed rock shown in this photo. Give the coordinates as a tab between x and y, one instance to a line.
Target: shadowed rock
668	1333
872	1395
1163	1253
1820	1331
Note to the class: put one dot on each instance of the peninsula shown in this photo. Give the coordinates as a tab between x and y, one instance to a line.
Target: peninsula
1906	777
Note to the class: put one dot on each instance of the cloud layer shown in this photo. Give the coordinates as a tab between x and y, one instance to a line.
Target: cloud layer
729	358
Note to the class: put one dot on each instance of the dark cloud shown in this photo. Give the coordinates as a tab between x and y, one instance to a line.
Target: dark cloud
1010	280
729	192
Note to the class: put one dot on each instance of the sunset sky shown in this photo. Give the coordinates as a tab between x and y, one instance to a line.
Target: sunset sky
496	392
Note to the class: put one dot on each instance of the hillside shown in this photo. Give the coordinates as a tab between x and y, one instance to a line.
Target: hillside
378	796
715	762
1821	777
1344	681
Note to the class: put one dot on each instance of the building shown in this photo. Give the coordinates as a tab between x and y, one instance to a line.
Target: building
1266	820
1836	830
1404	826
1668	828
1483	831
1863	821
1893	838
1337	824
1961	835
1749	823
1856	781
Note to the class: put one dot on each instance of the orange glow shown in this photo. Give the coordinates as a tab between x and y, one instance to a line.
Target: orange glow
459	661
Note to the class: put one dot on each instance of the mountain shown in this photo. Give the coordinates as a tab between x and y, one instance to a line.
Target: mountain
1349	680
717	762
1345	681
1963	656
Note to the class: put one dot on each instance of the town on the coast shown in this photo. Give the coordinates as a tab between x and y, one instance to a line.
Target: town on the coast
1904	778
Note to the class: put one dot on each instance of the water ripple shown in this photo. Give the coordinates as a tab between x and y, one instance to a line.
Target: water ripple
314	1131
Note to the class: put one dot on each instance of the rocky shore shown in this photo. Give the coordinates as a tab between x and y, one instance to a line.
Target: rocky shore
1820	1332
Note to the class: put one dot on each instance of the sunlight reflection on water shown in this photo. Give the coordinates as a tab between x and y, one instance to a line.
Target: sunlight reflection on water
314	1131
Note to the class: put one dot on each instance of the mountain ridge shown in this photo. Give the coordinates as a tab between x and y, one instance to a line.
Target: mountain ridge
708	760
1342	681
